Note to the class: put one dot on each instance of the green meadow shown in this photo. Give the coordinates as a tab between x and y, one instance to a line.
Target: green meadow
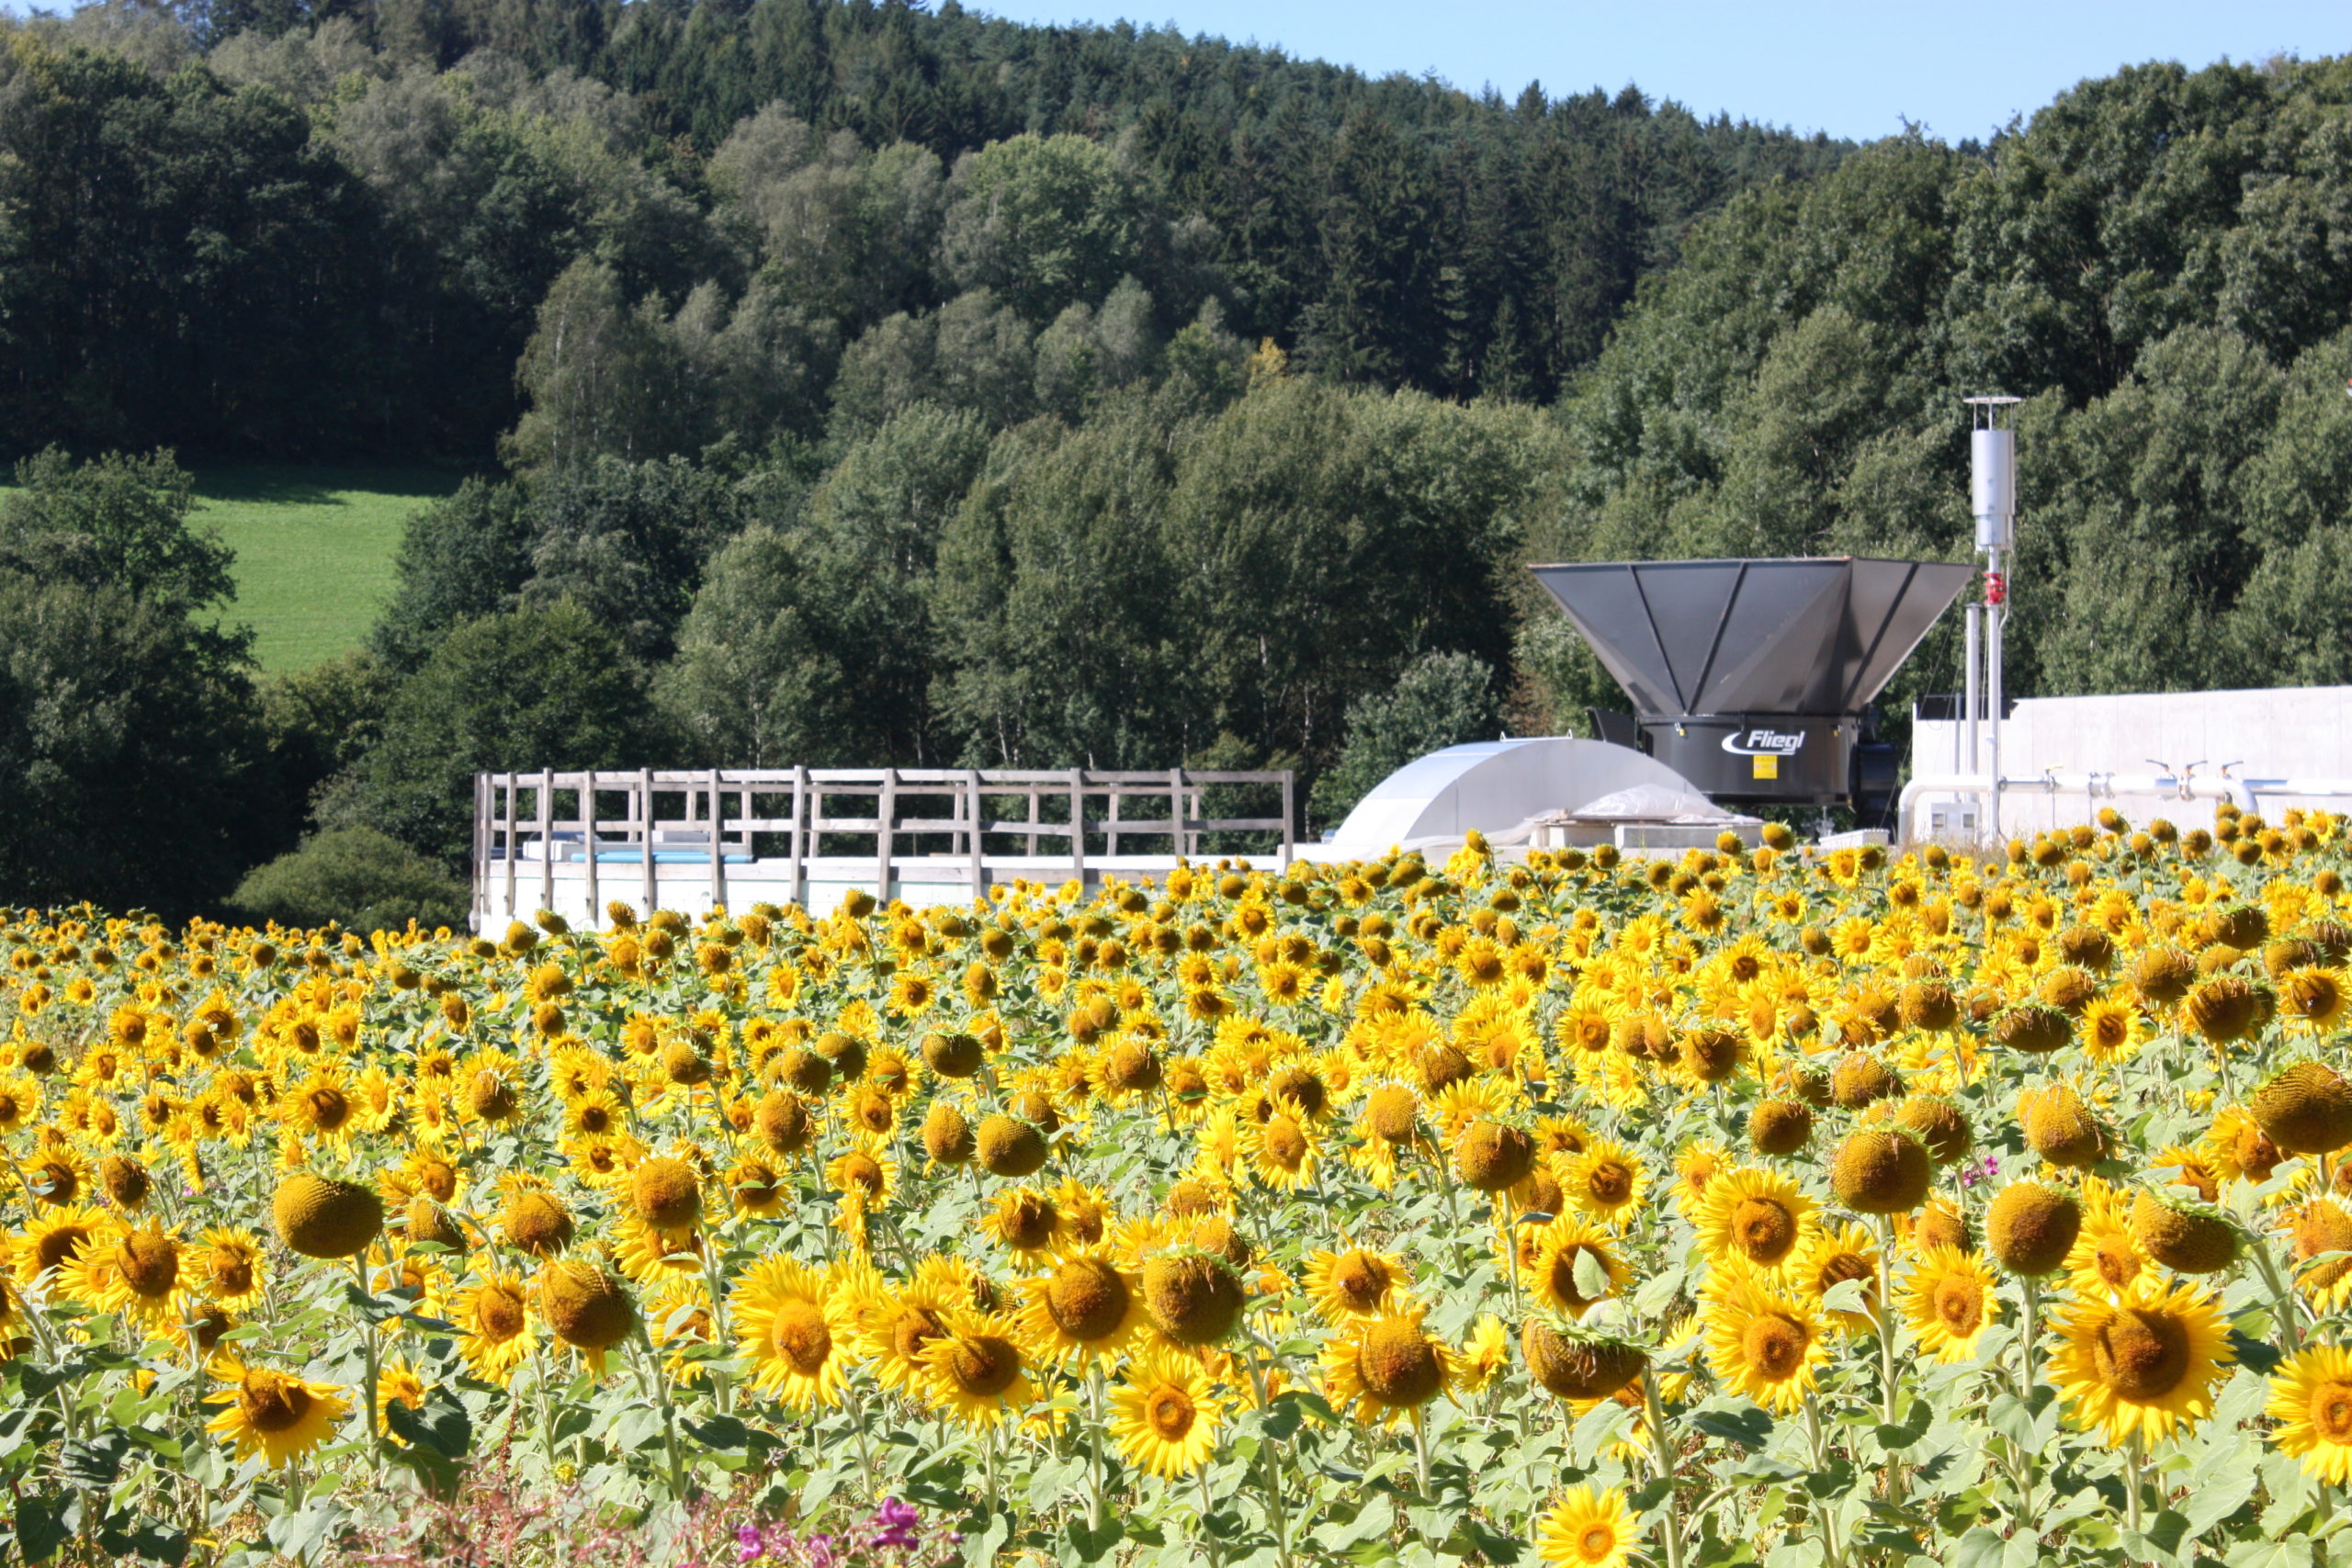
314	550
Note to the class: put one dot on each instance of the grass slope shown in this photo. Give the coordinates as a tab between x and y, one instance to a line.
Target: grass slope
314	550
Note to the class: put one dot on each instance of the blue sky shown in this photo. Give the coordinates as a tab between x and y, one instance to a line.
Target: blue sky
1850	69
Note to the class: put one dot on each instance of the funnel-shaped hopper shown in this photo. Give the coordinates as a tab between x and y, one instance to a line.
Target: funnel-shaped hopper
1752	648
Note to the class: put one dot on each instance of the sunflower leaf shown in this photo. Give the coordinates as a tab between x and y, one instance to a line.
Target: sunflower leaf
1846	1295
1592	1275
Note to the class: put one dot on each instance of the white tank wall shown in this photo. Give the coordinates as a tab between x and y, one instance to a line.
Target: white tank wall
1492	785
2273	733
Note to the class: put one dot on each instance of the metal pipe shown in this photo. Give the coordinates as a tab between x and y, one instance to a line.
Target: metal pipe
1985	786
1995	614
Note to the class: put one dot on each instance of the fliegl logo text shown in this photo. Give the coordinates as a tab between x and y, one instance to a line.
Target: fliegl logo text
1764	742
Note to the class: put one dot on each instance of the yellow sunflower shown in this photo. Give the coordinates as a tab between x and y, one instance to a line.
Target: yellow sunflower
1950	1302
2147	1362
1386	1367
1764	1345
1585	1528
2311	1398
1756	1216
268	1412
1355	1281
789	1327
1165	1414
1607	1180
974	1368
496	1330
1087	1305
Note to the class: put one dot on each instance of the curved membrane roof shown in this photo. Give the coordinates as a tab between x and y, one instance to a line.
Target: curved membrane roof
1493	786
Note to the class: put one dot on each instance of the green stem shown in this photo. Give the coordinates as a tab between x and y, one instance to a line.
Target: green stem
1663	1457
1889	1393
2131	1457
1821	1513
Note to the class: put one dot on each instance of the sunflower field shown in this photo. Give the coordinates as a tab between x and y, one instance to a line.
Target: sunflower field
1767	1205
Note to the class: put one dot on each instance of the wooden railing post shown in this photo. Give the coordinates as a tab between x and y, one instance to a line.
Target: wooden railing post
547	838
718	842
508	823
1176	812
588	846
972	814
1289	819
884	810
1078	828
645	823
799	892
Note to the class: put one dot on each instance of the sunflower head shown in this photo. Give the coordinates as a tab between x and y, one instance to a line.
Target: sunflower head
1579	1366
2305	1109
430	1223
321	1218
1938	1124
664	1193
1190	1297
1779	1127
1491	1156
2060	1128
1881	1171
1860	1079
1012	1148
125	1180
2033	1027
585	1303
2184	1235
2031	1227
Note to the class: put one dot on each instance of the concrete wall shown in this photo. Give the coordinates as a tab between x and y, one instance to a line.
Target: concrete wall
2271	734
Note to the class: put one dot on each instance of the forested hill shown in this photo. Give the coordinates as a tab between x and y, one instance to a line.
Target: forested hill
255	230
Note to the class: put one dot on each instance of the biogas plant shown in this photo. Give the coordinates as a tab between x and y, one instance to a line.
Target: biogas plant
1750	686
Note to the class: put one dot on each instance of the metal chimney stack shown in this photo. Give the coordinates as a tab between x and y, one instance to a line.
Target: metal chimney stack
1992	499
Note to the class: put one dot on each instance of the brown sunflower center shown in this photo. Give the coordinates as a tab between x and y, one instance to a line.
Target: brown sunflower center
1088	1299
272	1404
150	1262
2141	1354
498	1313
1764	1228
593	1119
983	1366
2117	1263
2111	1031
1390	1114
801	1336
1170	1413
1398	1364
1285	1143
665	1193
2332	1411
1596	1543
1773	1346
861	1171
1609	1183
232	1274
328	1110
1959	1303
59	1247
1837	1270
1362	1278
915	1328
1029	1220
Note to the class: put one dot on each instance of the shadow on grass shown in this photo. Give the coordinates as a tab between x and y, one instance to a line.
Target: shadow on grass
321	486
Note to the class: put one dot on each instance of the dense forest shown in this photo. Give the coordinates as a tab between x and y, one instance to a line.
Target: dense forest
852	384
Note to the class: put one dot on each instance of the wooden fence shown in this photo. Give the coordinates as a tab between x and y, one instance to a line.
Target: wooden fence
634	835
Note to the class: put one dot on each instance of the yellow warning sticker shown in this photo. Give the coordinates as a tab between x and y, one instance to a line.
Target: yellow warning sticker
1767	767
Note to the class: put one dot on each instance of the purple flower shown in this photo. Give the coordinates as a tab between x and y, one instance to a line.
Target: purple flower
749	1547
896	1524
